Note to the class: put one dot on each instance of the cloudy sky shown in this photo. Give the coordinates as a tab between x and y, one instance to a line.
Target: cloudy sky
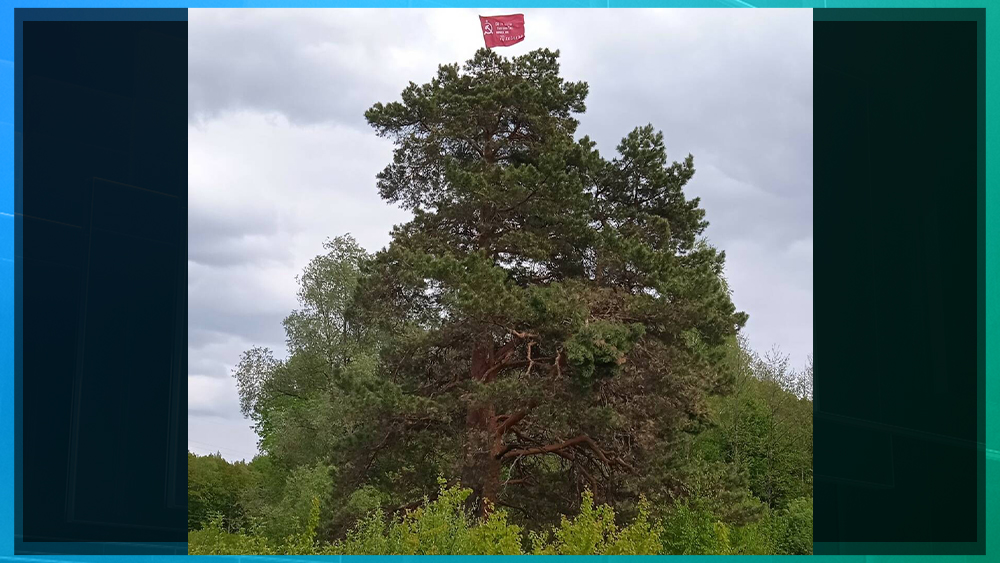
280	157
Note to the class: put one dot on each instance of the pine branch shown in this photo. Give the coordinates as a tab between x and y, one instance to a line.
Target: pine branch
555	448
513	419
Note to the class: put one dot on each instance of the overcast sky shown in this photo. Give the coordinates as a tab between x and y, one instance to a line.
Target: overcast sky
280	157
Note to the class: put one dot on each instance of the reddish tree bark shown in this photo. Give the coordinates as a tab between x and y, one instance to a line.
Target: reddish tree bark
481	471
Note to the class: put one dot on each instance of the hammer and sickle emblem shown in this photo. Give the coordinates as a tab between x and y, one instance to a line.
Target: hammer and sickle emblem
489	28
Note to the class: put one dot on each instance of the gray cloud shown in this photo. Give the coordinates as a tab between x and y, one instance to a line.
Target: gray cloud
280	157
312	66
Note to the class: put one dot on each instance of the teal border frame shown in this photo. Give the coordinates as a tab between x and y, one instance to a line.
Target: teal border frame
989	267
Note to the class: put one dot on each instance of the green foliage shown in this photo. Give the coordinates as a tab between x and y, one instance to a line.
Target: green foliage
599	348
443	527
594	532
691	529
213	539
439	527
794	529
217	492
755	538
304	488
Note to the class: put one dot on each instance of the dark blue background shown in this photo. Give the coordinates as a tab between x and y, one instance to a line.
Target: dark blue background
101	240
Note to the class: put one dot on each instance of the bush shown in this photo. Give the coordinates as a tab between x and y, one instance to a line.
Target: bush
214	540
755	538
593	532
794	528
443	527
690	528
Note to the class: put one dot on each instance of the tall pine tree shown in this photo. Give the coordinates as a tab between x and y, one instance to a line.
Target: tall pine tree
558	315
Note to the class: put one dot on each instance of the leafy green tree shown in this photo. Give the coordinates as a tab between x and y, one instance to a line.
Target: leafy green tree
322	409
559	315
327	351
781	467
761	429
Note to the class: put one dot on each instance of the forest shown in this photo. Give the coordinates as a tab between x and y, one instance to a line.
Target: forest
546	359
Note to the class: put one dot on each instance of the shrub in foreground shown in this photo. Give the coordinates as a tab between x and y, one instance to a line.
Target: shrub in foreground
444	527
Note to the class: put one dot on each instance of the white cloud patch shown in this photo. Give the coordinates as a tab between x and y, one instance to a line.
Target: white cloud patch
205	392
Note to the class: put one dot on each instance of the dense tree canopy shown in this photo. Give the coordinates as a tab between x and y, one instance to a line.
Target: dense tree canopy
550	327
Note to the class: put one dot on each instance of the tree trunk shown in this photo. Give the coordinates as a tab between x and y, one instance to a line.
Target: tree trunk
481	470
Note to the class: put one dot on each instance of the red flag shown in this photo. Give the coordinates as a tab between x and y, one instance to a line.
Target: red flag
501	31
